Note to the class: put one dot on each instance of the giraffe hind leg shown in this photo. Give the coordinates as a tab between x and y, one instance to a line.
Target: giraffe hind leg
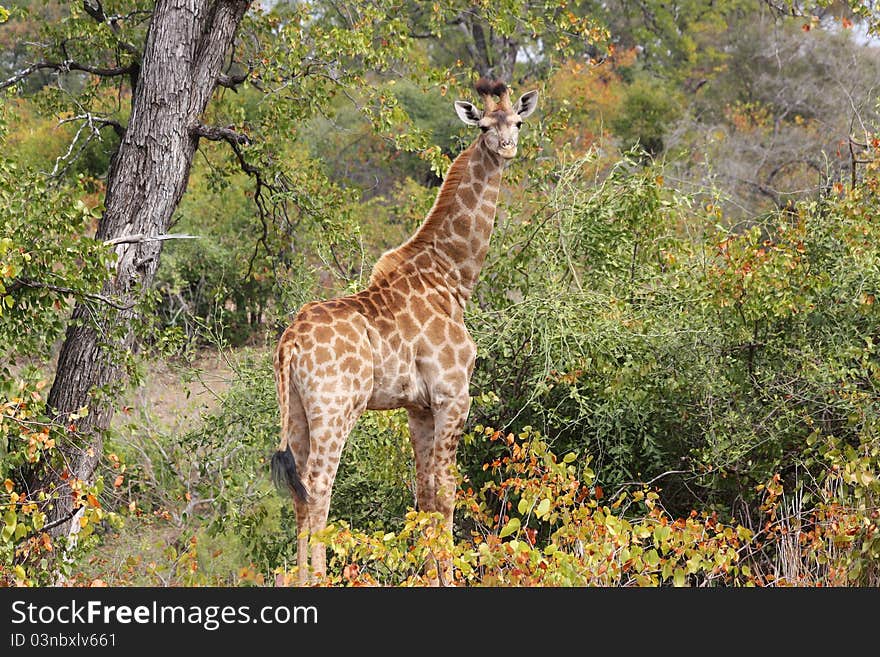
328	437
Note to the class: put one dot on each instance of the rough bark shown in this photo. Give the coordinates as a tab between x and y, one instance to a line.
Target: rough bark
181	64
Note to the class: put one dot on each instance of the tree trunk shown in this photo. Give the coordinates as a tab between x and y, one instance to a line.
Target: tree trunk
182	59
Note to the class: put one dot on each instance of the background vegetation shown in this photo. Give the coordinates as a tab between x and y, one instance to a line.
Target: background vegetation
677	325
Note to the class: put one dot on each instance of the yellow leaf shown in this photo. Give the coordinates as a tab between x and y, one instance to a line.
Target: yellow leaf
678	577
512	525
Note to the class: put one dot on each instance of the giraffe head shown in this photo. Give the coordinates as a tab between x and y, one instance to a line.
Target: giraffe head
499	121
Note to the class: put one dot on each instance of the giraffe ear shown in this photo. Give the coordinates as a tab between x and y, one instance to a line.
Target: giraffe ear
467	112
526	104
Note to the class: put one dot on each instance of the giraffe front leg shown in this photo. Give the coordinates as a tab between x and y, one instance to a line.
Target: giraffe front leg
421	435
449	420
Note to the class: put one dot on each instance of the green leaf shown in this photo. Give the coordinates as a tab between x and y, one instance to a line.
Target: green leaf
543	508
678	578
39	519
512	526
523	505
661	533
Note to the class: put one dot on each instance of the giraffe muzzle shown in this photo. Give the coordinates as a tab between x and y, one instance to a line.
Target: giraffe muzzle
507	150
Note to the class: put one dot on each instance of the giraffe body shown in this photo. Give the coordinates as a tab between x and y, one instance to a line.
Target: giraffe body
400	343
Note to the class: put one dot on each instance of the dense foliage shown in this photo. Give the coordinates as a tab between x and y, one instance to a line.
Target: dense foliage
677	325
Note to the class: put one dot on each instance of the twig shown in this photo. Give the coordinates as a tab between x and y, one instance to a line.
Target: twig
66	67
26	282
51	525
235	141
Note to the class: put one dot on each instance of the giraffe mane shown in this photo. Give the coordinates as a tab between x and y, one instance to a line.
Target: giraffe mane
391	260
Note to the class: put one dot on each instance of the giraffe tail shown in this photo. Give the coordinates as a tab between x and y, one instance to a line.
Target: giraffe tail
285	476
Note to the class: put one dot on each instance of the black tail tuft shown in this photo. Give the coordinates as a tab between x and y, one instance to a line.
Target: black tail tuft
285	476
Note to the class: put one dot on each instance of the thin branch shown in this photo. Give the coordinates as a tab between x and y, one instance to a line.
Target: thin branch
217	133
235	141
65	67
51	525
38	285
232	81
95	124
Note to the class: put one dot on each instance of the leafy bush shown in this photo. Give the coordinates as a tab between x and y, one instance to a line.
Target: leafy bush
29	556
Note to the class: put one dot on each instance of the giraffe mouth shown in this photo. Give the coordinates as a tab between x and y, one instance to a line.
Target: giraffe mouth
507	153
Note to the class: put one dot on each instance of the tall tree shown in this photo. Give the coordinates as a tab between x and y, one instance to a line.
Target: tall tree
173	78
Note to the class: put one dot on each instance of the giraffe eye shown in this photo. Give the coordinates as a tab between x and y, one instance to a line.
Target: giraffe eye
484	128
518	124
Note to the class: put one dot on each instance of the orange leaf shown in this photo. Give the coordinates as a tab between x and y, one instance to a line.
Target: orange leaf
118	481
93	500
599	493
8	485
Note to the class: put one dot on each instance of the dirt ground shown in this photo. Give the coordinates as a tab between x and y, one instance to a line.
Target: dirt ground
176	396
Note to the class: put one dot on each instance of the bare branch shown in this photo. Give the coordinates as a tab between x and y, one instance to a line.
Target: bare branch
38	285
95	124
231	137
235	141
66	67
140	238
232	81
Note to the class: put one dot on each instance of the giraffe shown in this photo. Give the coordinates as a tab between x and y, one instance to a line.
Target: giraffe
400	343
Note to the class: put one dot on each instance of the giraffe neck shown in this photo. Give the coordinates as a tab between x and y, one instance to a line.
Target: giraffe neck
461	234
454	238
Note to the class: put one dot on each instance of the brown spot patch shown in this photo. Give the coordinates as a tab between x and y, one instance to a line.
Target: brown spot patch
467	196
323	333
447	359
408	325
350	364
322	355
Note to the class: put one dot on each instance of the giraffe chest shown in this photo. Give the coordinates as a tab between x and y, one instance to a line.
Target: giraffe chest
413	368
